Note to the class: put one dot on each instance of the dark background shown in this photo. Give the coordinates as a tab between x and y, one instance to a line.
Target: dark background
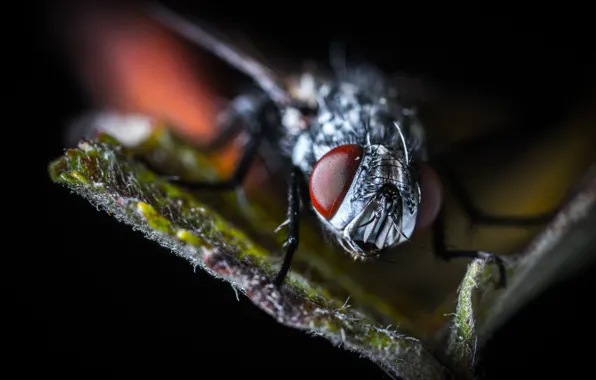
89	296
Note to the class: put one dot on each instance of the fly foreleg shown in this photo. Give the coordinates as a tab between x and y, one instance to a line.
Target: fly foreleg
477	216
294	193
441	251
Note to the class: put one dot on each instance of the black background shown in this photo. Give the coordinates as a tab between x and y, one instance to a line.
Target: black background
89	296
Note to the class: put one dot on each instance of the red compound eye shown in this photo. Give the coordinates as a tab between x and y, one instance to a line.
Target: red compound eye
332	176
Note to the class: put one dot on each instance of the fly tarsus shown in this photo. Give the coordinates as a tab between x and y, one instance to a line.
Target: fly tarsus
440	250
294	192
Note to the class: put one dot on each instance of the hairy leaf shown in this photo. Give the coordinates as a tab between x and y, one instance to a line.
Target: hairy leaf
442	311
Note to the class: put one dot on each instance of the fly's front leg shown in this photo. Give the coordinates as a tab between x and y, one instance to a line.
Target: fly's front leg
477	216
304	193
291	244
441	251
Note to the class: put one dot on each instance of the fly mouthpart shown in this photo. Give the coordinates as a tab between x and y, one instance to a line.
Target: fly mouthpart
370	248
377	227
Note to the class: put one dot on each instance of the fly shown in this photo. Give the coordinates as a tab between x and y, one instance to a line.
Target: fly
351	146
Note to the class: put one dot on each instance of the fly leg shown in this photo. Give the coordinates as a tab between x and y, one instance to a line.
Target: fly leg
477	216
251	110
291	244
242	109
236	178
441	251
480	217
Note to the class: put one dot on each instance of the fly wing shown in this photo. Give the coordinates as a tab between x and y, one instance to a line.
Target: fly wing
271	82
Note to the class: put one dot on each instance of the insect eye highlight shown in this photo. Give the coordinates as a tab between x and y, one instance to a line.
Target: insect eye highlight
332	177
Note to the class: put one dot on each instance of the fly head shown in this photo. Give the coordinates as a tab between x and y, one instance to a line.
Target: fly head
367	195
